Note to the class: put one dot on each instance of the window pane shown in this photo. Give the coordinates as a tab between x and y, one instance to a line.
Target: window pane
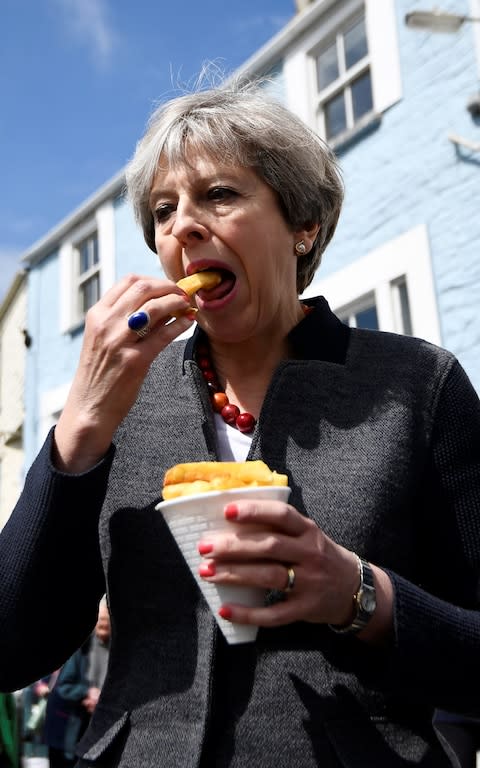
327	66
83	256
335	117
367	318
90	293
88	253
362	96
405	307
355	44
94	249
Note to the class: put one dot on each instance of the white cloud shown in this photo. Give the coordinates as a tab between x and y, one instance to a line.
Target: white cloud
9	265
87	21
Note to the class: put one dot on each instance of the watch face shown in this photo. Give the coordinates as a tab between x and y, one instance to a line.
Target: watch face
368	601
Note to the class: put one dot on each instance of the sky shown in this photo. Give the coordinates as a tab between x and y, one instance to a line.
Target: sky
78	80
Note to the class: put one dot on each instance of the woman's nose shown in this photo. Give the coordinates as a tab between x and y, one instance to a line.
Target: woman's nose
189	225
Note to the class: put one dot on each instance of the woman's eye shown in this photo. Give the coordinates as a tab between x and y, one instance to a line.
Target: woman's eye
220	193
162	212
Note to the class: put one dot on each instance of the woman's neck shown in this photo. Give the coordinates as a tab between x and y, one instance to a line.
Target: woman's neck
244	369
245	375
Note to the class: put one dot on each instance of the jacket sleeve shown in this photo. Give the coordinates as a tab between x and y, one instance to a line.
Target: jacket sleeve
51	576
437	623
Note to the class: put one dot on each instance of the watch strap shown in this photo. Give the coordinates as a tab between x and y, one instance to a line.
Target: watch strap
364	601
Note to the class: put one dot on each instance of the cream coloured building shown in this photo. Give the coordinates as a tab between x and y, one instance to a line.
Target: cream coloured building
13	340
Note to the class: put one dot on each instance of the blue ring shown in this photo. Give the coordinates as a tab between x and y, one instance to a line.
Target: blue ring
138	321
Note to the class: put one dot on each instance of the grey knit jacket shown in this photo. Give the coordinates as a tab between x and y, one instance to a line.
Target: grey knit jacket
380	438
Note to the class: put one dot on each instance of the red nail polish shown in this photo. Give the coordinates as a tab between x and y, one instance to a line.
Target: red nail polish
225	612
204	548
207	569
231	512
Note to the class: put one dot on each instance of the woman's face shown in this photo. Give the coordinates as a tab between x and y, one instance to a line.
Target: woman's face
213	216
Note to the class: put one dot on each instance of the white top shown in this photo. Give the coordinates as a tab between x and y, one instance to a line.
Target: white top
233	445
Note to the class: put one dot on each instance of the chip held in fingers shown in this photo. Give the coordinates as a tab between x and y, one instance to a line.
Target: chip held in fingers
193	283
204	476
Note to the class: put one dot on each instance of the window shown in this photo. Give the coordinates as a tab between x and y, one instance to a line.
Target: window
87	265
344	72
344	84
391	288
364	312
88	272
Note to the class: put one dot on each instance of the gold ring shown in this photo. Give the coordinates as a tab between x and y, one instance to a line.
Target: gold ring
290	580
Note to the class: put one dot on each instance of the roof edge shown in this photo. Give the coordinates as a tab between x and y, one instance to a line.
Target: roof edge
273	48
41	248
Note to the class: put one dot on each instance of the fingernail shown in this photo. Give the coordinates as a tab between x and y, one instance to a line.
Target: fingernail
231	512
204	548
225	612
191	314
207	569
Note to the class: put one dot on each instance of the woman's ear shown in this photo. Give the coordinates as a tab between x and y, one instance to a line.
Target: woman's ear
307	236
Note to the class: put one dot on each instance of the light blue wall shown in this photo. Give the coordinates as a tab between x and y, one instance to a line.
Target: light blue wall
131	252
52	356
406	172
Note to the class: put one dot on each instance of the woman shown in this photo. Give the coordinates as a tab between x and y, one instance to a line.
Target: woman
379	437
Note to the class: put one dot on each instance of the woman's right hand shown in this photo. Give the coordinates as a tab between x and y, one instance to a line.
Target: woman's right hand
113	363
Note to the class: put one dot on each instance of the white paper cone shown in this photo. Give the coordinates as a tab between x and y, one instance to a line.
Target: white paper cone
189	518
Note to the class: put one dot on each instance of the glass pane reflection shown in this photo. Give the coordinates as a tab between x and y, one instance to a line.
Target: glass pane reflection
367	318
362	96
327	66
355	43
335	117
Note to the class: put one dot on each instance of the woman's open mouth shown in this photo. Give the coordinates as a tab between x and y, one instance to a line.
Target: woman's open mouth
221	290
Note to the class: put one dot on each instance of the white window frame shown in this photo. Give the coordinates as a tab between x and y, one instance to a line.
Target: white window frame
377	273
343	83
101	222
384	57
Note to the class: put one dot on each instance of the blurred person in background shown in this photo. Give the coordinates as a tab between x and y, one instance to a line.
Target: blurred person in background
75	694
33	701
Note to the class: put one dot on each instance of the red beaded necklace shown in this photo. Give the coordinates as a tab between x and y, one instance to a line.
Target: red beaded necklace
229	412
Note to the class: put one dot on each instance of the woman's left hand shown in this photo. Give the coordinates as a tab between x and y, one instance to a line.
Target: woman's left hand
269	537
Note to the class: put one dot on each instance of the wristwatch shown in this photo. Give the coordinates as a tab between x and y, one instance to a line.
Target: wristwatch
364	601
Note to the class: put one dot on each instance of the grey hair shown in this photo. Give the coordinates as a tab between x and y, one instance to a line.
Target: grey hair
239	123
